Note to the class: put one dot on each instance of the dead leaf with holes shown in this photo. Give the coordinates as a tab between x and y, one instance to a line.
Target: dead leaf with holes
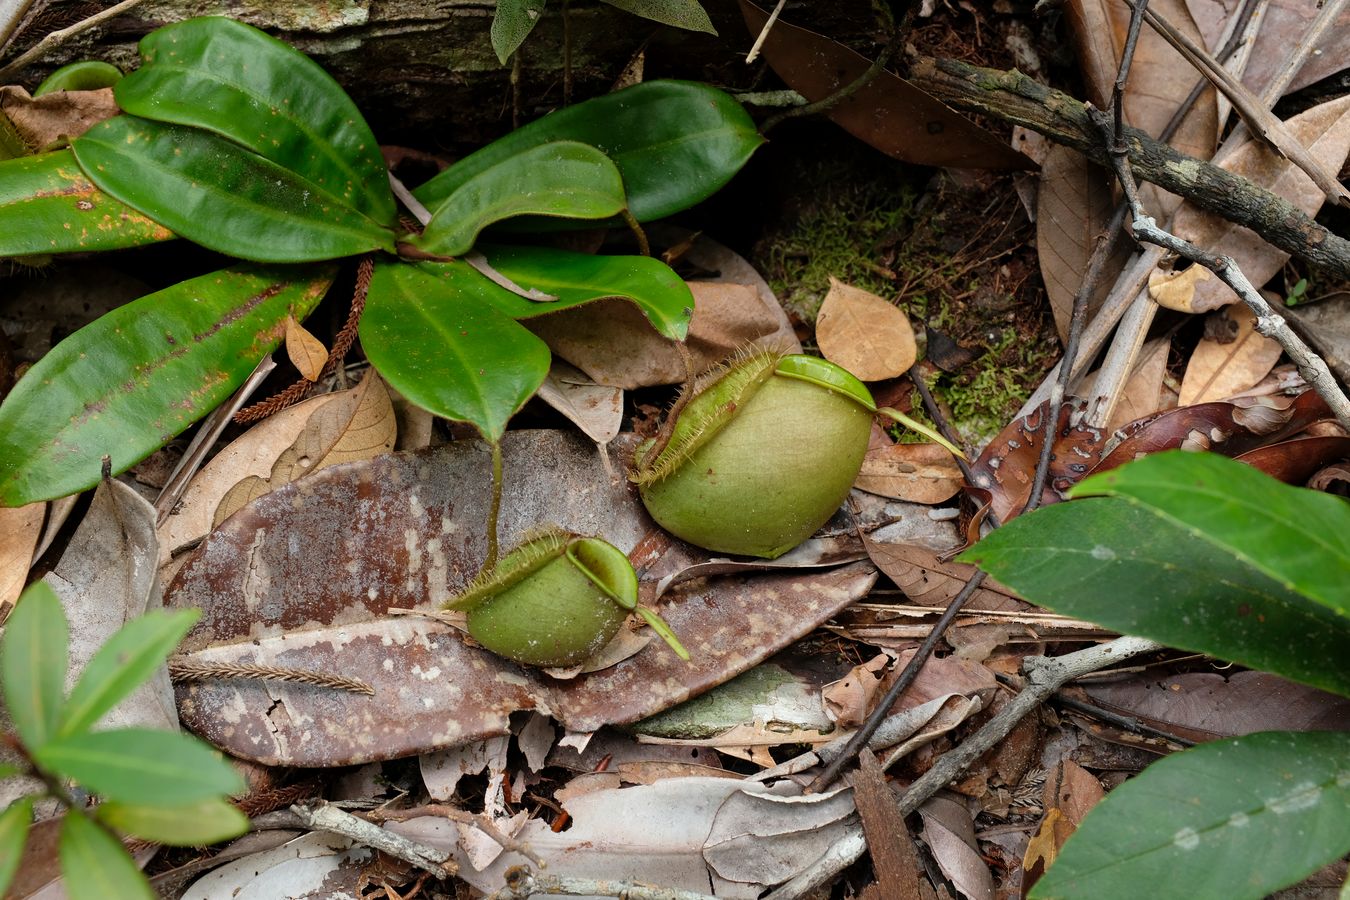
1325	131
360	424
307	353
918	473
863	333
1217	371
305	576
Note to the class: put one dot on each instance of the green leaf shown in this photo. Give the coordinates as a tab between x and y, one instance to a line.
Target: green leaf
680	13
1298	537
141	766
232	79
128	382
86	75
14	822
512	23
214	192
561	179
576	278
675	143
33	661
1236	818
129	657
1126	567
47	205
447	349
191	825
95	865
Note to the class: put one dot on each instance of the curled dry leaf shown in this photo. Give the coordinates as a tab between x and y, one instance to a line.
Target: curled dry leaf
1217	371
596	409
949	832
849	700
919	473
329	555
891	114
863	333
307	353
1325	131
360	424
20	528
46	121
1176	290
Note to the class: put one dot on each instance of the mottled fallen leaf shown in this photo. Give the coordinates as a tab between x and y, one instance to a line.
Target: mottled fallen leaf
46	121
306	352
1074	206
252	454
304	577
20	528
891	114
863	333
929	581
1325	131
919	473
1217	371
949	832
596	409
360	424
766	837
1176	290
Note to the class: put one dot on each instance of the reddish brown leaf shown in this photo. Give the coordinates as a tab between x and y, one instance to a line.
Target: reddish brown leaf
891	114
1298	460
929	581
888	841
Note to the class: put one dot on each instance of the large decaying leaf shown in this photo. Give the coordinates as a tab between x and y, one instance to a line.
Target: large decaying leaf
576	278
442	347
332	553
891	114
48	205
214	192
675	144
1300	538
560	179
125	384
232	79
1253	814
1172	581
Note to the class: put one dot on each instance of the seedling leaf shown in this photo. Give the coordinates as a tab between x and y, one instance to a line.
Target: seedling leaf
141	766
33	660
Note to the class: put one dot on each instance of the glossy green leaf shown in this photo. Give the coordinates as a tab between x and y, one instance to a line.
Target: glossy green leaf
33	661
561	179
447	349
214	192
680	13
125	384
1235	818
576	278
141	766
122	664
95	865
675	144
512	22
191	825
48	205
1298	537
86	75
232	79
1124	566
14	822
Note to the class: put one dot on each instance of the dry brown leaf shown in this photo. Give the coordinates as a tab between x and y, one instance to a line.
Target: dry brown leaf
359	425
1177	290
919	473
888	842
1142	394
55	117
20	528
307	353
863	333
1218	371
928	581
1074	205
252	454
1325	131
1284	25
596	409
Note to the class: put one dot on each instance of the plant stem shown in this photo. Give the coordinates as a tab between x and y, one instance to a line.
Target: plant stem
495	508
